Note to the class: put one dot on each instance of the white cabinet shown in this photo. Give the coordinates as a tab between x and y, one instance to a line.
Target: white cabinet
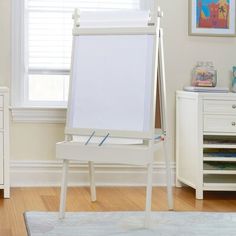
4	141
206	141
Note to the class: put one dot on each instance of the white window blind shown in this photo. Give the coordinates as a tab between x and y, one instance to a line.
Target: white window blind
48	45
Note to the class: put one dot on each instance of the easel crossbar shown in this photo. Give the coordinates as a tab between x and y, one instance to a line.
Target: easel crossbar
112	133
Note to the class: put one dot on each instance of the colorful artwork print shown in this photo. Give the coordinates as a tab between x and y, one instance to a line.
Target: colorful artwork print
213	14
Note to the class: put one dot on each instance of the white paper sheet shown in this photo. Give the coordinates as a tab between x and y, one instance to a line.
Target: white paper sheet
124	18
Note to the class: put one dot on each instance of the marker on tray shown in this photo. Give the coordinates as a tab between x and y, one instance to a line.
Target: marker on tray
100	144
89	138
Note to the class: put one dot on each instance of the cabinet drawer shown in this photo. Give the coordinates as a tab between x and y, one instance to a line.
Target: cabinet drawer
1	119
220	123
1	101
220	107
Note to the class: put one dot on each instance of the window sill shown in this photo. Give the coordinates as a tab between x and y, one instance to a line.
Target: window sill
39	114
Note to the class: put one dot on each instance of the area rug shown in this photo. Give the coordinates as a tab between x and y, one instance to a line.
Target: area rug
131	224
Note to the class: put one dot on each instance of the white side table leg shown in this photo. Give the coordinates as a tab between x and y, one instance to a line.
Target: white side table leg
178	184
199	194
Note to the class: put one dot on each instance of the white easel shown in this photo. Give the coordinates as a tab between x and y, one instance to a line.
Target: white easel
127	154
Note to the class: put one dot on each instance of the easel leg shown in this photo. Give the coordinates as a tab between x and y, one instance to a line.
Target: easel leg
164	121
92	181
148	195
168	176
63	189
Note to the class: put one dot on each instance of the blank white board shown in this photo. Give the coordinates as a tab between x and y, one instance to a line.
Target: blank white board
111	82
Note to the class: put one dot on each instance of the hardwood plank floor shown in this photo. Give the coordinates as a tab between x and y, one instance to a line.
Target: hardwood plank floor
109	199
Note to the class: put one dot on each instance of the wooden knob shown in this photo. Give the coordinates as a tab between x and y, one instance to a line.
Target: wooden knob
233	123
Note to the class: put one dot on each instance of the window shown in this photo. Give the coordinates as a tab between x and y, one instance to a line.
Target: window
42	38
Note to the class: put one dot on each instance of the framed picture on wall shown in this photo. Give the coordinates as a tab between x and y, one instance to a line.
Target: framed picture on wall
212	17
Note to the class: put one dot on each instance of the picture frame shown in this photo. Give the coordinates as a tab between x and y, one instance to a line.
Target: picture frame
212	18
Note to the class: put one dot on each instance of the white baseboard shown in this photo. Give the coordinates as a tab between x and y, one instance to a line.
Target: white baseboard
48	173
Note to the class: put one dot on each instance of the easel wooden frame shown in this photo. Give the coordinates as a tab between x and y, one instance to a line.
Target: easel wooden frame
127	154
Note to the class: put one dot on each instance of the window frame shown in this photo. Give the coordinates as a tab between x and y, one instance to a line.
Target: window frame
23	111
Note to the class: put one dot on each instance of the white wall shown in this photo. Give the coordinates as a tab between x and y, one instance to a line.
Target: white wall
36	141
5	43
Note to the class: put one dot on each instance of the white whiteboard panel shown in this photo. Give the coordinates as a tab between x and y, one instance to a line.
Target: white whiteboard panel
111	82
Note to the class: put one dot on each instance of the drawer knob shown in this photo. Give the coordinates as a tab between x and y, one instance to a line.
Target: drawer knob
234	106
233	123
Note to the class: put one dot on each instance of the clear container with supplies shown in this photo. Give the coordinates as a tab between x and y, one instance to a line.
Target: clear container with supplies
204	74
234	80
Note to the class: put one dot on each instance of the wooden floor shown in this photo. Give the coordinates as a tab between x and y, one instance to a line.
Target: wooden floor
109	199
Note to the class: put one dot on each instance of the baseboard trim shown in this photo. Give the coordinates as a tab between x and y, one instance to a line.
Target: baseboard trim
48	173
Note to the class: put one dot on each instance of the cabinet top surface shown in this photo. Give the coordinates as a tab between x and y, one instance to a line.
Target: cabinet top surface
210	95
3	89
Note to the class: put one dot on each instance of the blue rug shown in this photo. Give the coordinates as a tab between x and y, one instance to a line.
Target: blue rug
131	224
